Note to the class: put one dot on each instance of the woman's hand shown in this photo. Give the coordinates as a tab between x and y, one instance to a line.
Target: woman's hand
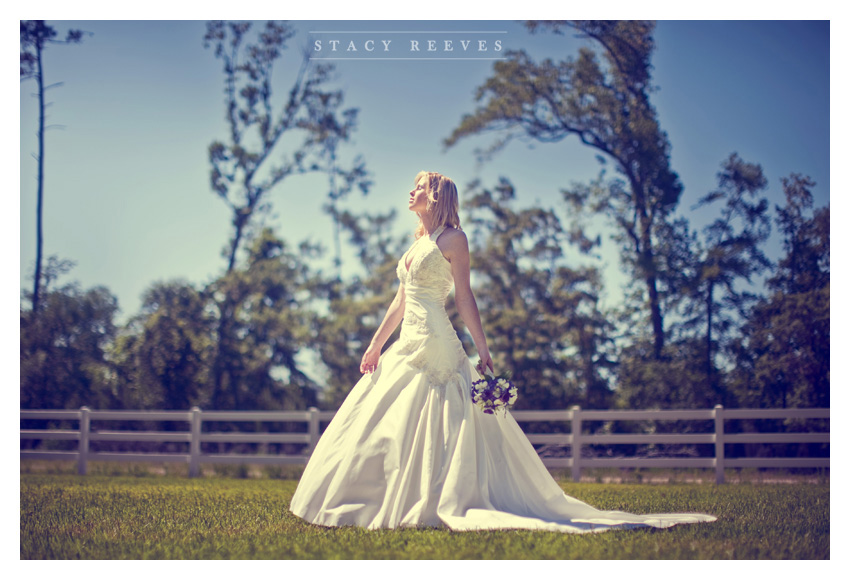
369	362
485	363
392	318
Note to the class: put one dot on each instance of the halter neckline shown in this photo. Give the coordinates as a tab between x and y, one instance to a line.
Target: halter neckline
436	233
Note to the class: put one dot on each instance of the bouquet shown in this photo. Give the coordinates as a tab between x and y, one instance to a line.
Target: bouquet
494	393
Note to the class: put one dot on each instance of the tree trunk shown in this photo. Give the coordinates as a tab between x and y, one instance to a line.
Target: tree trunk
710	312
238	225
656	317
39	240
646	263
221	367
220	364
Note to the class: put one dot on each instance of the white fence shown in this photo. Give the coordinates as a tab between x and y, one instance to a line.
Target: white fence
575	439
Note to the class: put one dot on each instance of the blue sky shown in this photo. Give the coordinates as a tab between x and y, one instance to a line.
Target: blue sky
127	195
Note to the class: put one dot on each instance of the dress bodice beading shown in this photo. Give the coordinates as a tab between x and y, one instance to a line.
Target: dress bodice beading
427	334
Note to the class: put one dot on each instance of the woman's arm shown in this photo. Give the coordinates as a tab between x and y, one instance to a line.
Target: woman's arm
391	320
456	249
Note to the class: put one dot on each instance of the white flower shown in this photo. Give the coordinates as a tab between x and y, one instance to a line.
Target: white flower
488	393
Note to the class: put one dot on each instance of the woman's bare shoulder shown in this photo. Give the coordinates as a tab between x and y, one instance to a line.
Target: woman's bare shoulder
453	236
453	240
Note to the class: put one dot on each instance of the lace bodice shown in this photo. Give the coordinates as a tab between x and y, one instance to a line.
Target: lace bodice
427	334
429	272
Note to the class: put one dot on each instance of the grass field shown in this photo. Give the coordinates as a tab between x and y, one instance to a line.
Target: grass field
166	517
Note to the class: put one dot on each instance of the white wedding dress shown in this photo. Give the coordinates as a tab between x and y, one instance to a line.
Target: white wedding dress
409	448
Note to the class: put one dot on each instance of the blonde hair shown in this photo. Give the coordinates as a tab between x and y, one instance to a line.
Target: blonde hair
442	201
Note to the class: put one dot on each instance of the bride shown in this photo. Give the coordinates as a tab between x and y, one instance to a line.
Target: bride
408	447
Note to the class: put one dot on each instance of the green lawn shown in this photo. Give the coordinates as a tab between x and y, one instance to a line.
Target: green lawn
108	517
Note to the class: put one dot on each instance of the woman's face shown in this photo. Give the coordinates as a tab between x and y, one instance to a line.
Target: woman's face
418	201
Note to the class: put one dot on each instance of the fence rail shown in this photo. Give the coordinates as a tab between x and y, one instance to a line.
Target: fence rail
576	440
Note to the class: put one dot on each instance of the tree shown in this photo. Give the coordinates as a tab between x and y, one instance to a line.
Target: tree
162	356
63	360
805	266
35	37
541	317
243	171
730	251
677	381
266	309
784	353
607	109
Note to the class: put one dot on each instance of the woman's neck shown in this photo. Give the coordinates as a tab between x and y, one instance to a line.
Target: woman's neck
428	223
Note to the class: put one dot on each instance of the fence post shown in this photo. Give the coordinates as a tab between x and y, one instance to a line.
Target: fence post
83	448
575	448
195	443
719	445
313	429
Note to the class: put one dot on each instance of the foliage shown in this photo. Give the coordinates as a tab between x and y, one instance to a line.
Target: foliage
244	171
274	331
35	36
805	266
162	355
677	381
606	108
677	276
63	348
264	316
69	517
243	168
73	354
542	318
728	252
783	357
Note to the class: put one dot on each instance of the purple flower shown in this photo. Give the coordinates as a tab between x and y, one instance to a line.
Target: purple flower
493	394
